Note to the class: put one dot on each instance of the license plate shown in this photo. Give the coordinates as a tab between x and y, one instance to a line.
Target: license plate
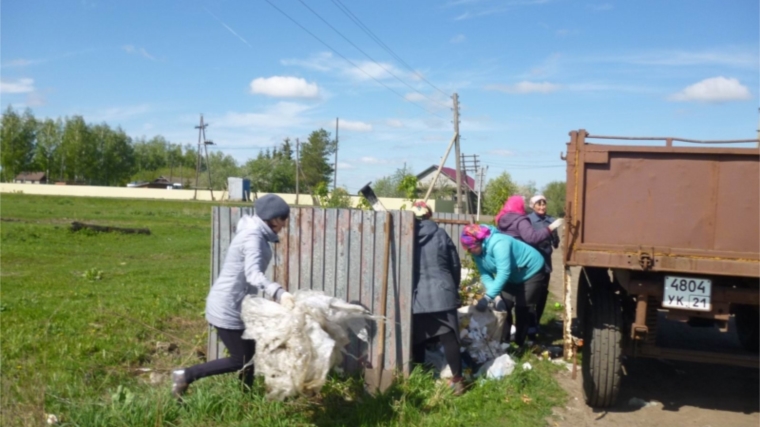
687	293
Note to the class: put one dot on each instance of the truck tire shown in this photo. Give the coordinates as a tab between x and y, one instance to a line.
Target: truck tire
603	339
747	318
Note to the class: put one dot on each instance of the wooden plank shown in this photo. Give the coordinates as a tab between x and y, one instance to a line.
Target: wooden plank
406	274
380	220
306	226
331	248
318	251
211	350
368	279
343	253
354	280
294	248
392	329
281	256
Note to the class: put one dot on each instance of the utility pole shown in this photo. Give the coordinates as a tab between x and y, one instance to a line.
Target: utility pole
298	167
468	167
335	180
202	139
458	204
480	187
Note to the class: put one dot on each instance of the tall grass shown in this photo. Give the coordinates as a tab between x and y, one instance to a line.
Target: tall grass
82	313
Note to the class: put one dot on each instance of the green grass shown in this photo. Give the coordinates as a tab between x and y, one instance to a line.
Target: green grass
81	313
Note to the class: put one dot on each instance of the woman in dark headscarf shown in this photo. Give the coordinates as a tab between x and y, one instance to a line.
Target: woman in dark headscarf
436	294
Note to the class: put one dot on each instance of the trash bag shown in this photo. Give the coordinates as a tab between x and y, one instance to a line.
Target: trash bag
480	333
295	349
497	368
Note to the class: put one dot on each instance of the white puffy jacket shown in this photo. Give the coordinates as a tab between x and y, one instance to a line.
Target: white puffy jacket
242	273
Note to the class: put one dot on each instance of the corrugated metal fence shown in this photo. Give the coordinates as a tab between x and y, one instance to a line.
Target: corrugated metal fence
340	252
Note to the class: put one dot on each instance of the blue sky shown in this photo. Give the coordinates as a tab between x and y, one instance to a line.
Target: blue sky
526	71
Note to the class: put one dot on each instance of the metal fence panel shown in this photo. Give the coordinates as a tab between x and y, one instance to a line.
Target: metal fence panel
340	252
453	224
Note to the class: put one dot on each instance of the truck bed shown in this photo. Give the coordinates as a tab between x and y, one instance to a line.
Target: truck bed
689	209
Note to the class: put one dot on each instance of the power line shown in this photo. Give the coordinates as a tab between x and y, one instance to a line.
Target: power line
368	55
372	35
348	60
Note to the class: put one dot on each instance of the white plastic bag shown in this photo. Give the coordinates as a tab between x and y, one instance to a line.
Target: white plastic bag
497	368
295	349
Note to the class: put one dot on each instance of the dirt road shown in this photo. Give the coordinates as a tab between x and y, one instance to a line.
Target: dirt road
678	393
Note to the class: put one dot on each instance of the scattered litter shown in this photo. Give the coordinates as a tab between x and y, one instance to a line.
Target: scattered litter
641	403
156	378
527	366
52	419
497	368
166	347
480	333
561	362
295	349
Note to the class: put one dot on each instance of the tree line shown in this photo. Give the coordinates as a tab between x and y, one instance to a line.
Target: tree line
71	150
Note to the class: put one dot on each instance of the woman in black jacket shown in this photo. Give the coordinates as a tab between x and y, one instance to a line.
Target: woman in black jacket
436	294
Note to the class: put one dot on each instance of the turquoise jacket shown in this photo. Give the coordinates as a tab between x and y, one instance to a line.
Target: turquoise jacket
506	260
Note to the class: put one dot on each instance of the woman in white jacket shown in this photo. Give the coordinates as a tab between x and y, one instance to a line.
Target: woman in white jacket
242	274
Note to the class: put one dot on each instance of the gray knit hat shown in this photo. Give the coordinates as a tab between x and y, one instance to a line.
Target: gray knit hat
271	206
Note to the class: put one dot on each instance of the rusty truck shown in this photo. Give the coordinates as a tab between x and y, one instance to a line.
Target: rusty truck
661	231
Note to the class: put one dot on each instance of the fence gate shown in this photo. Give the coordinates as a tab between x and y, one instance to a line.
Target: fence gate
341	252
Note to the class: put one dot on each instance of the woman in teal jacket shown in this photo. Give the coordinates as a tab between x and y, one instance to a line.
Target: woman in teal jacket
508	268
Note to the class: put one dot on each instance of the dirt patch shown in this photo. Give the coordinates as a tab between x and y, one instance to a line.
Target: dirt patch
677	393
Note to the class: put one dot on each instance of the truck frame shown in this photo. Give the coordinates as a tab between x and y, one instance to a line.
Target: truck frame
659	231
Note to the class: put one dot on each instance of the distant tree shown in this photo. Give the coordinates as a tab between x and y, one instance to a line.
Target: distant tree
397	184
527	189
338	198
315	160
273	174
497	192
47	153
555	198
78	149
17	138
118	158
222	167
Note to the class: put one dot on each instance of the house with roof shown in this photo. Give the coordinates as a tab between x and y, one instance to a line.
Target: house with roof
445	186
31	178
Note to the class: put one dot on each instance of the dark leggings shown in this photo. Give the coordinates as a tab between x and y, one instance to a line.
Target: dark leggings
450	350
241	351
526	297
541	303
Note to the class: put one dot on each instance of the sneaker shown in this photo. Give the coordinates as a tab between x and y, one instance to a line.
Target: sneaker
179	384
457	386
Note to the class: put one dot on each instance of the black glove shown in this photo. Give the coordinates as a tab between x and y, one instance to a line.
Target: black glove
483	303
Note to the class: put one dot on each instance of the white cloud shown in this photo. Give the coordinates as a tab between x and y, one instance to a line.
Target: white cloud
278	116
459	38
130	49
363	71
345	166
370	70
525	87
414	97
501	153
284	87
727	56
394	123
23	85
118	113
356	126
714	90
374	161
35	99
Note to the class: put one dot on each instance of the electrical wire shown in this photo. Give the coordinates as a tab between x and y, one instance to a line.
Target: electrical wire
343	8
348	60
370	57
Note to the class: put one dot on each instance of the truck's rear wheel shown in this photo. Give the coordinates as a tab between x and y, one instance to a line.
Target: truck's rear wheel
603	338
747	318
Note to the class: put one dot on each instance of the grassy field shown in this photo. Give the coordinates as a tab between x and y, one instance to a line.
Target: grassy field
91	324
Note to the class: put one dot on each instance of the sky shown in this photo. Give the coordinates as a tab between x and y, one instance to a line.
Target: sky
526	72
